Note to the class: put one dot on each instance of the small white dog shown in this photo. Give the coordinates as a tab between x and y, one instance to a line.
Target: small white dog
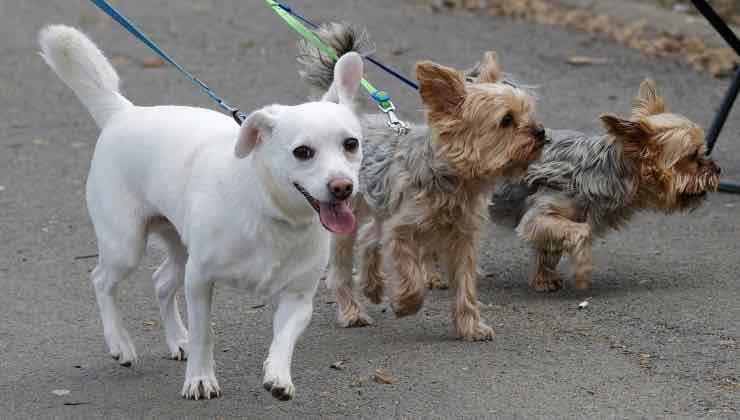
232	204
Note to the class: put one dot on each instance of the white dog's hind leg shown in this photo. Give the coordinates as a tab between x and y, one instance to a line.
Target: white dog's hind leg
291	318
117	260
168	278
200	378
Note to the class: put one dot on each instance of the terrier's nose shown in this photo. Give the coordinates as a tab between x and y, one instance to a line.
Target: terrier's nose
539	132
340	189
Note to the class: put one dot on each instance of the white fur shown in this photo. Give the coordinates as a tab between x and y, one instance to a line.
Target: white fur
221	198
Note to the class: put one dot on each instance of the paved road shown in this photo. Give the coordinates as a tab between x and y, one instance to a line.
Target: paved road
660	338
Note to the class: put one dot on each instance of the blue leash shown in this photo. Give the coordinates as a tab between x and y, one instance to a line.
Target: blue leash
382	66
239	116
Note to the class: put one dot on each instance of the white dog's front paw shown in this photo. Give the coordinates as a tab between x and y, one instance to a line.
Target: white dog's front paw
278	383
178	349
283	391
201	387
122	349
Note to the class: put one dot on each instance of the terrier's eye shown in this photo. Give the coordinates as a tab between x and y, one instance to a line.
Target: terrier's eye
303	153
351	144
507	121
695	156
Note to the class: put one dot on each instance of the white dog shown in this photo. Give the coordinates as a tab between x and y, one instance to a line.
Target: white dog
232	204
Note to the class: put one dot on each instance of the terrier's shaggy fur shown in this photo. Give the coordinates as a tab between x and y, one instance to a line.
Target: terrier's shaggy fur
426	192
587	186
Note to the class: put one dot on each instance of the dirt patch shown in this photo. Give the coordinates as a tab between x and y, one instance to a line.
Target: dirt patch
720	61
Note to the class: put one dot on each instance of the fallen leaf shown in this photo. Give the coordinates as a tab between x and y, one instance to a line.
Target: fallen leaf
60	392
583	305
581	60
338	365
153	63
119	60
645	360
382	376
148	323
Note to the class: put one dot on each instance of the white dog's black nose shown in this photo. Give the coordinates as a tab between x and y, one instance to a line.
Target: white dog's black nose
340	189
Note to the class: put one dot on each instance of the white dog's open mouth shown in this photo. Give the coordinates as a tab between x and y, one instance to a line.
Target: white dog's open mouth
336	216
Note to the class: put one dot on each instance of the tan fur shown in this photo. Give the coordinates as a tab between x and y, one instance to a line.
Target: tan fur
664	154
422	217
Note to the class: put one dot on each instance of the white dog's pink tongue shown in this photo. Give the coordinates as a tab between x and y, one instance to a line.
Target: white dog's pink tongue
337	217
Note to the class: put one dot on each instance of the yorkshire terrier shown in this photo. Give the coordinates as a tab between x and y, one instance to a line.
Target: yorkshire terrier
587	186
426	192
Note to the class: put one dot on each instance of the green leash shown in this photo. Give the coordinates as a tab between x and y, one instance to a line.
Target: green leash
380	97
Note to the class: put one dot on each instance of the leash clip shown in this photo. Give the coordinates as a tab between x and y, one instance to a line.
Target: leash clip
387	107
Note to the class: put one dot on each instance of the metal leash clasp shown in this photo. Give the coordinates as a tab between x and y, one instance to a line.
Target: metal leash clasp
387	107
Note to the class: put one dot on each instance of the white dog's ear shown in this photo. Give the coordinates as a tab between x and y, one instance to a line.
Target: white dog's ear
347	76
258	125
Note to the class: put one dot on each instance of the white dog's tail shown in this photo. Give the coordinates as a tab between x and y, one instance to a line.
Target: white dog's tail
82	66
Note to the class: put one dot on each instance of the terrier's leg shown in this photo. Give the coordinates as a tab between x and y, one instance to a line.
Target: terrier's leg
372	279
350	312
546	278
409	271
550	232
434	276
463	276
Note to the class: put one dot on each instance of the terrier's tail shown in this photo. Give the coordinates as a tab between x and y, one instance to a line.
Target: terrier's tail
82	66
508	203
318	69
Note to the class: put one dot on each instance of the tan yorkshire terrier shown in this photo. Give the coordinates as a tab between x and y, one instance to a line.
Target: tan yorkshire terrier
586	186
426	193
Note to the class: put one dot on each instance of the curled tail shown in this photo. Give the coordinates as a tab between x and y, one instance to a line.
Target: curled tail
82	66
318	69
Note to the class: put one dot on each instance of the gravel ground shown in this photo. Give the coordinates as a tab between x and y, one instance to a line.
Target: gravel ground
659	339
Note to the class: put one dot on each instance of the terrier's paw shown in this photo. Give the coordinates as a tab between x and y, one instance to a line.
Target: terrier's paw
407	305
434	281
549	284
201	387
479	332
374	293
281	391
582	282
357	319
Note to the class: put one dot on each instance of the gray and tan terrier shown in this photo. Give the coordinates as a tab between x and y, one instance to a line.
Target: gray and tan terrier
426	192
585	186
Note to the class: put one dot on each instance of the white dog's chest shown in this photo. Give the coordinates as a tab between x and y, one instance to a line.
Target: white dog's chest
277	261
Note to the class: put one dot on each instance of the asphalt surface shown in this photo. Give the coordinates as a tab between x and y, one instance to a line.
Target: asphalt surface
659	339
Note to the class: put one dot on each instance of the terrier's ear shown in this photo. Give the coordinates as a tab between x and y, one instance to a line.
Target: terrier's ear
442	89
347	76
258	126
632	134
489	69
647	101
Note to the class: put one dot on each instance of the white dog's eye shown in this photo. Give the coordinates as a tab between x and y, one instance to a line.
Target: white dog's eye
303	153
351	144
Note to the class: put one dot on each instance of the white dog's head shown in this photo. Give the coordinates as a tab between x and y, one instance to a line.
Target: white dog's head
312	152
